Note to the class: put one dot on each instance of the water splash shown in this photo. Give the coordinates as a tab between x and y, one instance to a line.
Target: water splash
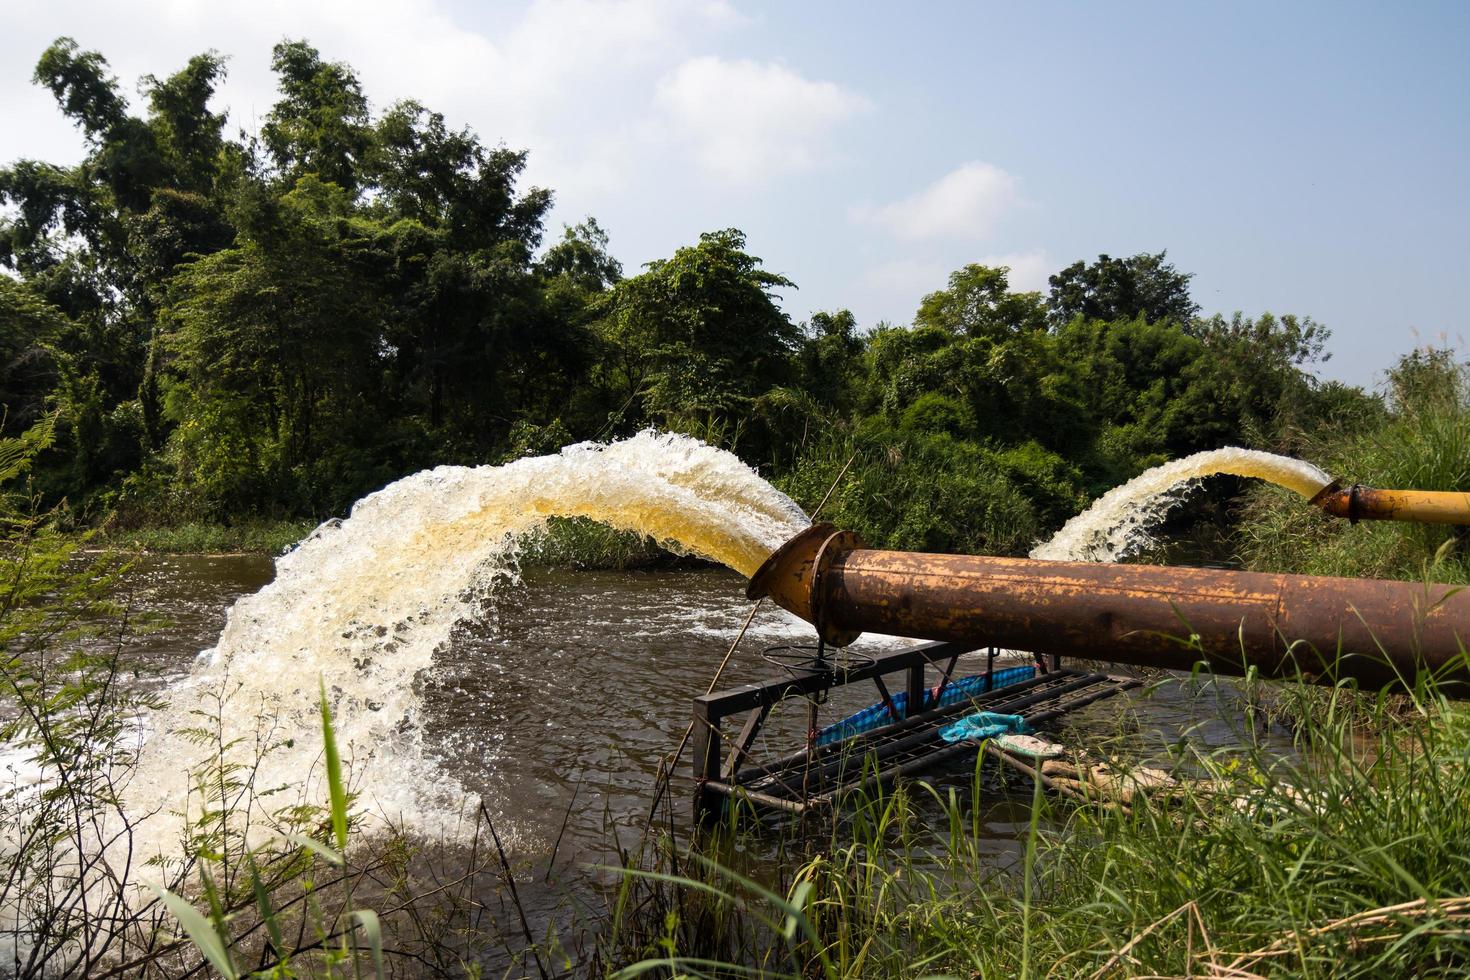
1120	523
366	602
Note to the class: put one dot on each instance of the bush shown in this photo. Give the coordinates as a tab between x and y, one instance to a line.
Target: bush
917	492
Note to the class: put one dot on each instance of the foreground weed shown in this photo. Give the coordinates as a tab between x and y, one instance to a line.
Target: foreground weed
337	935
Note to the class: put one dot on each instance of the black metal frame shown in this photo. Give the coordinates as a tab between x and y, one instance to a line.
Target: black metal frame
718	777
758	699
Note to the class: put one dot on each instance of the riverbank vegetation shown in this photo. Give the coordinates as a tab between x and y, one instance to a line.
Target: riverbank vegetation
236	327
258	537
249	879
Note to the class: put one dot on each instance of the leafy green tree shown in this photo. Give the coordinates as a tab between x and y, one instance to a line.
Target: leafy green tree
979	303
189	135
125	156
277	343
830	357
1261	370
471	339
698	336
28	326
1143	388
1141	285
348	336
320	125
582	258
100	239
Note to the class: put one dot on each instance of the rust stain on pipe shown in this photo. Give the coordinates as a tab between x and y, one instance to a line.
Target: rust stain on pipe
1360	503
1379	632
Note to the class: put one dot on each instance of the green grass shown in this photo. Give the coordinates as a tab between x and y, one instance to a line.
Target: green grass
581	543
255	537
572	543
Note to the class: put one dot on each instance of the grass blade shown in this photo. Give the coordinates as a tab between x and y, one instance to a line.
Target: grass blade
337	791
331	856
266	909
200	931
373	929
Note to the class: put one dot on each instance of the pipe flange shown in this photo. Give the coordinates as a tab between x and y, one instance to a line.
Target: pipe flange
1319	499
836	546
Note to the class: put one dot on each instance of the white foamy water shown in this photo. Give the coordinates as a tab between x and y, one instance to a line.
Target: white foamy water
368	602
1121	522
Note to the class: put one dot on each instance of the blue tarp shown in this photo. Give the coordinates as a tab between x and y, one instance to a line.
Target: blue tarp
877	715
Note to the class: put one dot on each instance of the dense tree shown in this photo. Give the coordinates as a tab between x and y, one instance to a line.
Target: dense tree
277	346
1141	285
226	326
698	336
101	239
320	125
829	357
582	259
979	303
28	326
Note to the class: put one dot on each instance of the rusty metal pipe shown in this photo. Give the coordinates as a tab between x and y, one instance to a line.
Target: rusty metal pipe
1360	503
1381	633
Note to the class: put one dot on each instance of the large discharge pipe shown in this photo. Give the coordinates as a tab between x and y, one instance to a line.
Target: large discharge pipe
1383	634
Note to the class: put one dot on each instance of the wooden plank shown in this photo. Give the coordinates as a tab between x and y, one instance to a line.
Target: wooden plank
776	802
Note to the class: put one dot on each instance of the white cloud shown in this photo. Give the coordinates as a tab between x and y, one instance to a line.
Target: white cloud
558	77
964	203
747	121
917	276
908	277
1029	270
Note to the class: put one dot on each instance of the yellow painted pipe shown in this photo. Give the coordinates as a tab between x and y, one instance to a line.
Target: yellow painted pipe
1360	503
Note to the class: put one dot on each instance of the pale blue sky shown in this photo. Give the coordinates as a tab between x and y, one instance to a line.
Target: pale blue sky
1300	157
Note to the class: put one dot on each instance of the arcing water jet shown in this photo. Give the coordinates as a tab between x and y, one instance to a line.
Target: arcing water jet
1121	521
365	603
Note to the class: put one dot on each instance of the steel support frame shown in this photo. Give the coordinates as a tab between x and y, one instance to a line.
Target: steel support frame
715	775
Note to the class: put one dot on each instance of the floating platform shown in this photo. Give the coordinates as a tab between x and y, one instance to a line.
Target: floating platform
881	743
